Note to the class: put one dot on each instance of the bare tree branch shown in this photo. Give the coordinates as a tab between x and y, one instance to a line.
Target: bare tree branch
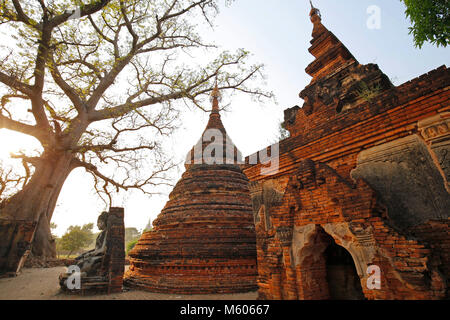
68	90
21	16
14	83
18	126
80	12
121	185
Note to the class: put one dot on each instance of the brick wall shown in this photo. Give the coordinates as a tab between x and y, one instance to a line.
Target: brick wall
318	160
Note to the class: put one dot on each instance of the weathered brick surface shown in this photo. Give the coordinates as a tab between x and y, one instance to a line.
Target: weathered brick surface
318	194
114	260
204	239
435	234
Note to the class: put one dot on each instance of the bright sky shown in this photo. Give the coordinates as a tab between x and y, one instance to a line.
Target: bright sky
277	32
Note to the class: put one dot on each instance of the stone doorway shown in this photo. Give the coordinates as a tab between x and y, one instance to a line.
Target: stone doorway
326	270
342	278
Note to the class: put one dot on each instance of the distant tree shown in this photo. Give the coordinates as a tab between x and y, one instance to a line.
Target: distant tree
431	21
76	238
130	245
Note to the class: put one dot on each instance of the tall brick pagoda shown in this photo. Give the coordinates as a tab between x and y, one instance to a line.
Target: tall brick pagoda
204	239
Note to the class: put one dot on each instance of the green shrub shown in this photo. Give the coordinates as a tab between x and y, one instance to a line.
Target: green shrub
130	245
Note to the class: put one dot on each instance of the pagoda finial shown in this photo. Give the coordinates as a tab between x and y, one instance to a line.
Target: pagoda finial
315	14
215	98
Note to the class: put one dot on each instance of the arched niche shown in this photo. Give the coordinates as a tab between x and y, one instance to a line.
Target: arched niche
319	259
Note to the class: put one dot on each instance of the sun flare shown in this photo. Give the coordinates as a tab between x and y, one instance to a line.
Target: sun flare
14	143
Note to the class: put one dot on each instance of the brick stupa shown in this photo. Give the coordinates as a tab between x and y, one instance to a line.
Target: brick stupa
204	239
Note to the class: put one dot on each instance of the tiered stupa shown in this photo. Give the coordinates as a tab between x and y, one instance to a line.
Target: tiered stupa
204	239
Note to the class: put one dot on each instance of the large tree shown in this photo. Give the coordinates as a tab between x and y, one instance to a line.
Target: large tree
430	21
95	82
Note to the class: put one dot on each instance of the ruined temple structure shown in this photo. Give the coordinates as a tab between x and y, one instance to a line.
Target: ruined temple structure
204	239
362	185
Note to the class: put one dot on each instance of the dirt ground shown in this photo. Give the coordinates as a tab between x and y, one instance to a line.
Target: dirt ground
42	284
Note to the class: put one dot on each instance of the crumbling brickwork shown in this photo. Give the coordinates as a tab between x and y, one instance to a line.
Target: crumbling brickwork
204	239
365	169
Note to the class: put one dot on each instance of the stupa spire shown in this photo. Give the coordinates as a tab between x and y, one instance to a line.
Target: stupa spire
316	19
214	131
328	50
314	13
215	98
331	58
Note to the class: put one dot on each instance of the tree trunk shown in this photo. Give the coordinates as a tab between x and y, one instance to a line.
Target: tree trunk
32	206
44	245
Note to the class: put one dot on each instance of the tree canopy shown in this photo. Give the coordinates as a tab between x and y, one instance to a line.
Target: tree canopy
99	83
430	20
88	78
130	245
76	238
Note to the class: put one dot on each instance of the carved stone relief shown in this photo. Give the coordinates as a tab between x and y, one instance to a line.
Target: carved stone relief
284	235
409	184
436	132
265	195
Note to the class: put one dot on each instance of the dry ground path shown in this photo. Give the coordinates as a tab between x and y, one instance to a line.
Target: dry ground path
42	284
